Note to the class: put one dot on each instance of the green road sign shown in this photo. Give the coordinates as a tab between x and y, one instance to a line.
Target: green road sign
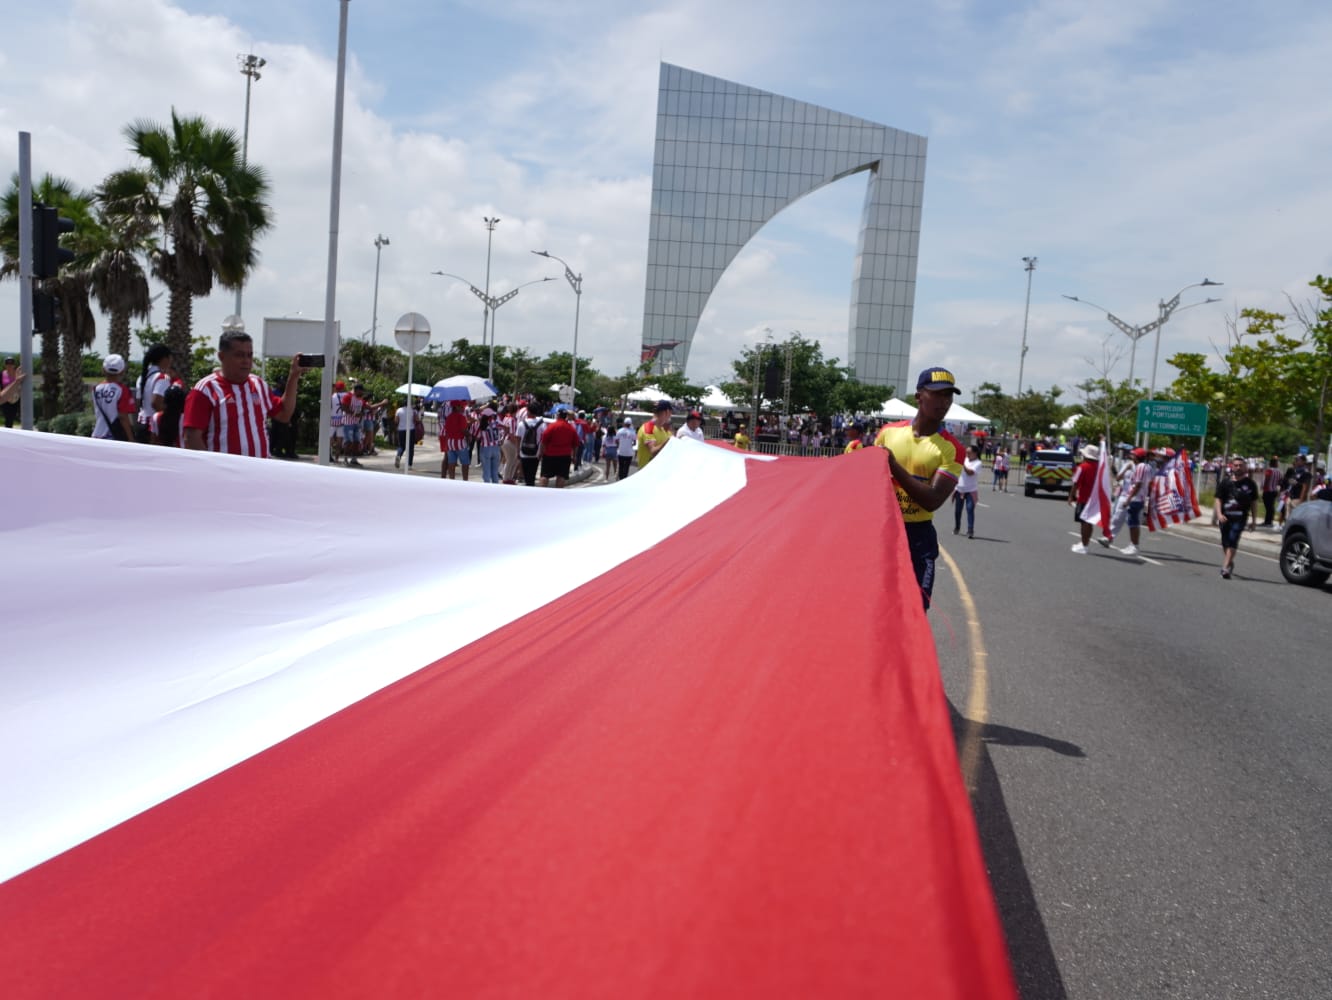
1184	419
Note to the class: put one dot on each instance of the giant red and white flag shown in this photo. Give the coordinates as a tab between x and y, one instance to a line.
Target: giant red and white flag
479	741
1100	508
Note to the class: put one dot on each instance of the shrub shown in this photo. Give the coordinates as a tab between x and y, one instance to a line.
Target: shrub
66	423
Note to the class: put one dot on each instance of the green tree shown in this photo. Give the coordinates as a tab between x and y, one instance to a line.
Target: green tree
854	396
815	381
1109	409
209	207
1246	390
1034	413
1310	372
118	277
76	327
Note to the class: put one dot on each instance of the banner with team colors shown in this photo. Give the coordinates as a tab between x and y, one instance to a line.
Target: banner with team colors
273	729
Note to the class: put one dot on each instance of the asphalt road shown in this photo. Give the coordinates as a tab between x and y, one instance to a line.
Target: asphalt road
1151	777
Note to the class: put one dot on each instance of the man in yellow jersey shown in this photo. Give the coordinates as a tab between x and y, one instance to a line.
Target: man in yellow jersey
856	435
654	434
925	462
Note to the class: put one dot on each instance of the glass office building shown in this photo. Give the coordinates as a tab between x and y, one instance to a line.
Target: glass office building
729	158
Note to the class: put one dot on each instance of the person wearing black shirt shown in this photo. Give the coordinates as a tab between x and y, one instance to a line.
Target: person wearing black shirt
1298	481
1234	504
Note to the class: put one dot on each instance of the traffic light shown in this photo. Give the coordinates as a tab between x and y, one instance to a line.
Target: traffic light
47	253
43	312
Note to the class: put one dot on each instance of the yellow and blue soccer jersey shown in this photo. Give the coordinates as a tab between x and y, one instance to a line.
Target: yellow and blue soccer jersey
922	457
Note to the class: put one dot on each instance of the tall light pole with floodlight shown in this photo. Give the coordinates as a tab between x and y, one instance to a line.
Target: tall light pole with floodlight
491	223
381	241
492	304
250	65
1022	358
576	283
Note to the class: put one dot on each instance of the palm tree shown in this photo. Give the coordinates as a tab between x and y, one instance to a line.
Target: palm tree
209	207
62	370
119	281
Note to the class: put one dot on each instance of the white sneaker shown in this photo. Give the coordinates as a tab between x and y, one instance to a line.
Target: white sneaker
1079	548
1130	549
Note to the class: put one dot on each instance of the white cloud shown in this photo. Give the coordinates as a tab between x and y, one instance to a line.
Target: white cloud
1133	147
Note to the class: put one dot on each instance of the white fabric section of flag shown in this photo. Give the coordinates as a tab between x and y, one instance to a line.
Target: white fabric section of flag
175	612
1098	508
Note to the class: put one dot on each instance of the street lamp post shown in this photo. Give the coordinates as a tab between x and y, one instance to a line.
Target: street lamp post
249	66
1134	333
1022	358
492	303
1165	309
381	242
576	283
486	311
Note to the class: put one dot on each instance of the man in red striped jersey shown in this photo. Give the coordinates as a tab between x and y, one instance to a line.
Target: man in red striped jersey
228	410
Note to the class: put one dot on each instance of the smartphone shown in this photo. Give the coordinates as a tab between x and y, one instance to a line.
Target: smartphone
312	361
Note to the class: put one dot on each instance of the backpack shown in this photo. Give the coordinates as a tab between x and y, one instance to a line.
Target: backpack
531	443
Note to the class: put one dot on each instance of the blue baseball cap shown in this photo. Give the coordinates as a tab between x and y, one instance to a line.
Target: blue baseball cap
936	379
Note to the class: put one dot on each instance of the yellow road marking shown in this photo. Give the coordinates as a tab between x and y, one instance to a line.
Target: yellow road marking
977	707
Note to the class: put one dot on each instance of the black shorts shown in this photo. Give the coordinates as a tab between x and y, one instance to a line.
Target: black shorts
1230	533
555	466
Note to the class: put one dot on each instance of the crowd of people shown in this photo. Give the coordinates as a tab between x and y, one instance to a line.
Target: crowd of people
1137	495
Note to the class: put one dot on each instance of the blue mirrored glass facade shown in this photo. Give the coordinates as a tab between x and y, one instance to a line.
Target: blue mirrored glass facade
728	158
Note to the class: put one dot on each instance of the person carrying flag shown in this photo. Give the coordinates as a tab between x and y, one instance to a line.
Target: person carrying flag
1137	487
926	463
1080	494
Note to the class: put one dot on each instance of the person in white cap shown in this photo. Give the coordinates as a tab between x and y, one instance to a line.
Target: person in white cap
628	445
1080	493
113	402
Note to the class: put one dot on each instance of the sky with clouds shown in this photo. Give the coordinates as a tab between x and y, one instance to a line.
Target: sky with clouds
1133	147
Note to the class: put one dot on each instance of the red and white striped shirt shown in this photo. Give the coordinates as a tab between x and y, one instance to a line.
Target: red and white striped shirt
233	417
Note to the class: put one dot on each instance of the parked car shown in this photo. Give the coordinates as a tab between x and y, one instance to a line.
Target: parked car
1306	543
1050	470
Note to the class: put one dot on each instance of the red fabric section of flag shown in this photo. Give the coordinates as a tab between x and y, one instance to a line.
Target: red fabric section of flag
674	781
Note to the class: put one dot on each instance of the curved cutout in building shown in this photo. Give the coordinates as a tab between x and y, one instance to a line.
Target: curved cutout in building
729	158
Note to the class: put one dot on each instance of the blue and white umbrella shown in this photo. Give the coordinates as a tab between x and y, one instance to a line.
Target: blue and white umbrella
468	387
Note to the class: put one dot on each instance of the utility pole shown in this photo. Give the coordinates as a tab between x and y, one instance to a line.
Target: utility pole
1022	360
491	223
381	242
249	66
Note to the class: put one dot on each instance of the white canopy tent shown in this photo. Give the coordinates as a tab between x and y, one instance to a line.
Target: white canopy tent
715	399
897	409
647	394
959	414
